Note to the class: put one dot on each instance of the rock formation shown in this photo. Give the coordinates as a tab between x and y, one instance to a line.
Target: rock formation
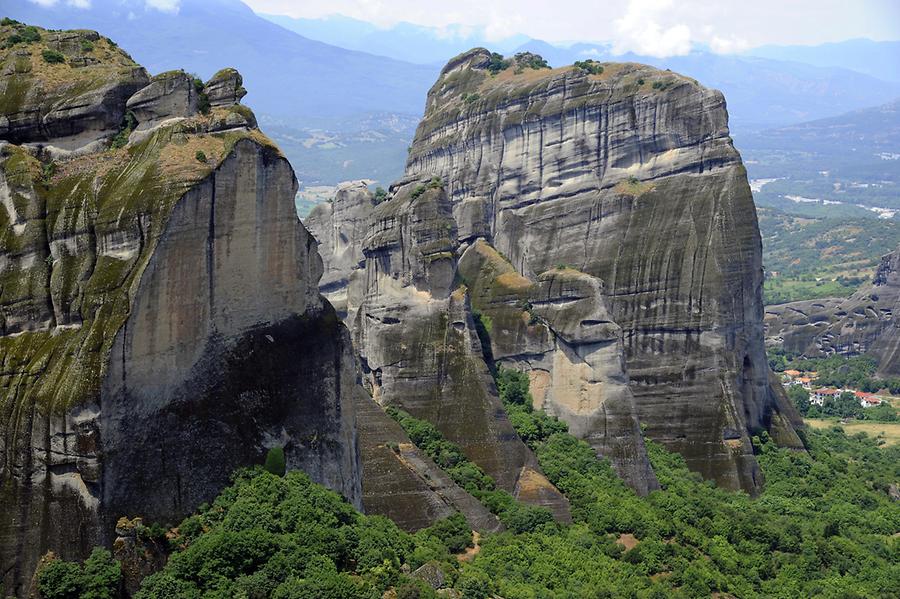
160	322
602	225
393	268
86	104
341	228
864	323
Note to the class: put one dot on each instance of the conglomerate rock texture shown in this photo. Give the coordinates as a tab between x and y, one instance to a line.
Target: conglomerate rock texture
160	322
864	323
605	237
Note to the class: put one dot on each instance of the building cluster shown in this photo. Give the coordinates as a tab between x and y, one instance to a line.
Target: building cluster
818	395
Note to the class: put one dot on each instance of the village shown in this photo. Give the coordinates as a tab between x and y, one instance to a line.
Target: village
818	395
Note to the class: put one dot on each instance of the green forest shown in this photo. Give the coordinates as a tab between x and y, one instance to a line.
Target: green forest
825	526
812	252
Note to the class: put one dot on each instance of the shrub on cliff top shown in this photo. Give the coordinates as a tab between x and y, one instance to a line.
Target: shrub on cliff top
498	63
53	57
592	67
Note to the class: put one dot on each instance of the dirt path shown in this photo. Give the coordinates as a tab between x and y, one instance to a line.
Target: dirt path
470	552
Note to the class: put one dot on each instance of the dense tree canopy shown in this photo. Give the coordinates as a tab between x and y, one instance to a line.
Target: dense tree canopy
825	526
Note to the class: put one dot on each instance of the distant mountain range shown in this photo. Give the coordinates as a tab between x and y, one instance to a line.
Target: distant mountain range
766	87
761	92
878	59
403	41
873	130
287	75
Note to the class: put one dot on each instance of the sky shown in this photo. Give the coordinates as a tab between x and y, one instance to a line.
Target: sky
650	27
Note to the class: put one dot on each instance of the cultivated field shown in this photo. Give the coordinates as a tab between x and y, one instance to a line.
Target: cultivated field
889	430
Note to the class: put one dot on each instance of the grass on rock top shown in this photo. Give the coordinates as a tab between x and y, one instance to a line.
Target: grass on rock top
35	79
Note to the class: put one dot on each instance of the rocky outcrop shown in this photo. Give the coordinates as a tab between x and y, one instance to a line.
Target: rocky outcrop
169	95
341	227
864	323
559	330
225	88
626	176
417	340
401	482
72	102
160	326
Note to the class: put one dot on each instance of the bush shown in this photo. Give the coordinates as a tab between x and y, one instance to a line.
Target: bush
202	99
531	60
30	34
200	156
275	462
60	580
98	578
591	67
498	63
87	46
418	191
53	57
453	532
800	398
7	22
475	584
380	195
129	122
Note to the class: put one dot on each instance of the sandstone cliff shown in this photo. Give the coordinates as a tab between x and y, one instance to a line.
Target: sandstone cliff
160	323
602	226
393	268
864	323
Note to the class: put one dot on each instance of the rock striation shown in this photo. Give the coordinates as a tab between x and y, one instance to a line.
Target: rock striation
604	232
393	267
160	321
864	323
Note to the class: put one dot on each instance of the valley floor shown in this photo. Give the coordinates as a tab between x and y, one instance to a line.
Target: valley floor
890	431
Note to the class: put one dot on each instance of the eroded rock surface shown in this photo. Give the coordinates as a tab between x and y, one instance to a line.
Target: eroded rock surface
160	325
225	88
341	227
606	235
73	102
628	176
169	95
417	340
864	323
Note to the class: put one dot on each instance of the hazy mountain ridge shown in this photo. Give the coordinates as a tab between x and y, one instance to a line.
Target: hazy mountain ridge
316	91
403	41
878	59
290	76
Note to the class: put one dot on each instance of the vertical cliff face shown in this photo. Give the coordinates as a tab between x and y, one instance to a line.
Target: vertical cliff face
864	323
341	227
161	323
626	176
417	339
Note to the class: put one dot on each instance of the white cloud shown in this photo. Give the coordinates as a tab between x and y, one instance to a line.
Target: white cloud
658	27
164	5
728	45
82	4
640	30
